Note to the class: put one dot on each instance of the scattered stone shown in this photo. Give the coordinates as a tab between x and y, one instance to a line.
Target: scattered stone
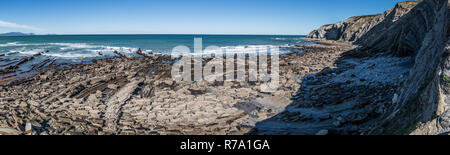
337	124
322	132
395	98
8	131
113	86
28	128
169	82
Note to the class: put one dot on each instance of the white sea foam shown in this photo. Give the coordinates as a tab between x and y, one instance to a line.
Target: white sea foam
235	50
110	49
68	46
240	49
71	55
16	44
31	52
115	48
93	48
9	44
85	50
24	51
284	38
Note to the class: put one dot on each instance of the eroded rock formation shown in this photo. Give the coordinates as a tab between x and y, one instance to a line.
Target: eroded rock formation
395	82
422	34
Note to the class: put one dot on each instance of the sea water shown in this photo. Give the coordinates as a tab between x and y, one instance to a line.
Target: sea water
84	48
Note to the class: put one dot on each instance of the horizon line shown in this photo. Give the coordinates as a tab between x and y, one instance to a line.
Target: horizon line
37	34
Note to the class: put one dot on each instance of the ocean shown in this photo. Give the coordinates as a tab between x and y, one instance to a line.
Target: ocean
73	49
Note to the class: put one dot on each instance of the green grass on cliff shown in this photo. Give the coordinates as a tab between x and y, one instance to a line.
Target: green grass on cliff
445	79
364	17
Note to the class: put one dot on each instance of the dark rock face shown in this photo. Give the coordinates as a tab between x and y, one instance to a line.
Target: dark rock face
405	36
421	33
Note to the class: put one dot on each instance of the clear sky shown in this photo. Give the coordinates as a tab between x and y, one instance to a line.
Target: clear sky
180	16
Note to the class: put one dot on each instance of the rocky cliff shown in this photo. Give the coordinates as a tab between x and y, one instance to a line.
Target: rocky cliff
417	30
396	81
357	27
422	106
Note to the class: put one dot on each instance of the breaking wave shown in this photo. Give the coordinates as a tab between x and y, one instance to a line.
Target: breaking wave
17	44
85	50
71	55
66	46
66	50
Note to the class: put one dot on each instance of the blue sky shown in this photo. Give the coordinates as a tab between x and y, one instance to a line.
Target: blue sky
180	16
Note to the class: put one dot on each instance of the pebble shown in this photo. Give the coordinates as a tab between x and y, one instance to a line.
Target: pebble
28	128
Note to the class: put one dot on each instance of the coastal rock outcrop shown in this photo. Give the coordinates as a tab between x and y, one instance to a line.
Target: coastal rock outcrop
406	36
355	28
395	82
422	98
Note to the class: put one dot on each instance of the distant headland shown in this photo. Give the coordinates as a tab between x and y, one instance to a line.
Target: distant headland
17	34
